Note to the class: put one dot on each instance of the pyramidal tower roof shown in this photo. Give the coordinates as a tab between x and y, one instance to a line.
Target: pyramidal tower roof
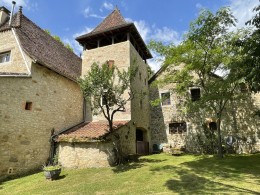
114	29
112	20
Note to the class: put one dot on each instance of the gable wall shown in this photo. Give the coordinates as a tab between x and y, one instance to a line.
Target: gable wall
16	63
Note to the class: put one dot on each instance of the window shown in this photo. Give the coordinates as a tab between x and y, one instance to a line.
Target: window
5	57
28	106
177	128
166	98
110	63
213	126
195	94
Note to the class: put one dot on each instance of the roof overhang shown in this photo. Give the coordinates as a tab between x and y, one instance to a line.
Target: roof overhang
89	40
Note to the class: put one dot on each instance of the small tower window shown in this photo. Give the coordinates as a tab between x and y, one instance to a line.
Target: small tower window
28	106
110	63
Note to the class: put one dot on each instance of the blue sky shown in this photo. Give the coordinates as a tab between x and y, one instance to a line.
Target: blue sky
164	20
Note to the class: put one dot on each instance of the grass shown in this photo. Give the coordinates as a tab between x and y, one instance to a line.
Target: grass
155	174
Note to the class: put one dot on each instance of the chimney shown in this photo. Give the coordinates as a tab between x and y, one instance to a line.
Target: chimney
4	15
12	12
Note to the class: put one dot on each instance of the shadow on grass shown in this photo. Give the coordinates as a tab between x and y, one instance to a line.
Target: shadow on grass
229	167
135	165
192	183
61	177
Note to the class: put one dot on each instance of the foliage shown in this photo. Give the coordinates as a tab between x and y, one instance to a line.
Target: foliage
105	87
51	167
208	47
57	38
154	174
250	67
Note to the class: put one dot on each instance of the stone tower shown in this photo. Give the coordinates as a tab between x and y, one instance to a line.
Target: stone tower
119	41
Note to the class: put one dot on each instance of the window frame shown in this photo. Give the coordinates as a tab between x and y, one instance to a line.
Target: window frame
3	56
179	126
162	101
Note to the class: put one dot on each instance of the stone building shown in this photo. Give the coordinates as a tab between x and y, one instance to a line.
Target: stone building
90	145
39	93
171	128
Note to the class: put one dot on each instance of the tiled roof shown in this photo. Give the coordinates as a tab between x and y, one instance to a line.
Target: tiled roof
112	20
43	48
114	24
92	130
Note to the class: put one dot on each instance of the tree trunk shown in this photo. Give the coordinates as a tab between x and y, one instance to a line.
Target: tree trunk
220	152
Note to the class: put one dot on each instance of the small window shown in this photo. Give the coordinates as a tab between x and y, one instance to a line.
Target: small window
195	94
5	57
177	128
166	98
213	126
140	75
110	63
28	106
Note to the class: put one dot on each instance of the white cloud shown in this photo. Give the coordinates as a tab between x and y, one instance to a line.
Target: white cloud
73	43
89	13
143	29
108	6
199	6
166	35
243	10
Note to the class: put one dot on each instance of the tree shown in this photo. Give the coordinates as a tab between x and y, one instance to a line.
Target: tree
250	67
207	47
57	38
105	87
108	90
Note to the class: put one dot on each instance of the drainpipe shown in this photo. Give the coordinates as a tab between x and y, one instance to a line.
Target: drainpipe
53	149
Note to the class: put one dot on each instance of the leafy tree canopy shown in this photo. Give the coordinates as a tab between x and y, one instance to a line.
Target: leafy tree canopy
208	47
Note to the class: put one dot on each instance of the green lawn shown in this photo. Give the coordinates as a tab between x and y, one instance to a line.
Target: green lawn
155	174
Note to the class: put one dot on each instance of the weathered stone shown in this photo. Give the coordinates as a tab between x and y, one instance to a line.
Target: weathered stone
13	159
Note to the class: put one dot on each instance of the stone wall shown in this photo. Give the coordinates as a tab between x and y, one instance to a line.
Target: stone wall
120	53
86	155
25	134
137	110
238	120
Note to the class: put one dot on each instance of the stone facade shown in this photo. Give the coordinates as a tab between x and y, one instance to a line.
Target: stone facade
86	154
137	110
57	103
239	121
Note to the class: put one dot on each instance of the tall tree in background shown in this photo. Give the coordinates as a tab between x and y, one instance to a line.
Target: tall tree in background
250	68
208	47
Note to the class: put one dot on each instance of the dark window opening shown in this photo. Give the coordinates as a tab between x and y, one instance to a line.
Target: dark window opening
165	98
28	106
195	94
5	57
177	128
139	135
213	126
